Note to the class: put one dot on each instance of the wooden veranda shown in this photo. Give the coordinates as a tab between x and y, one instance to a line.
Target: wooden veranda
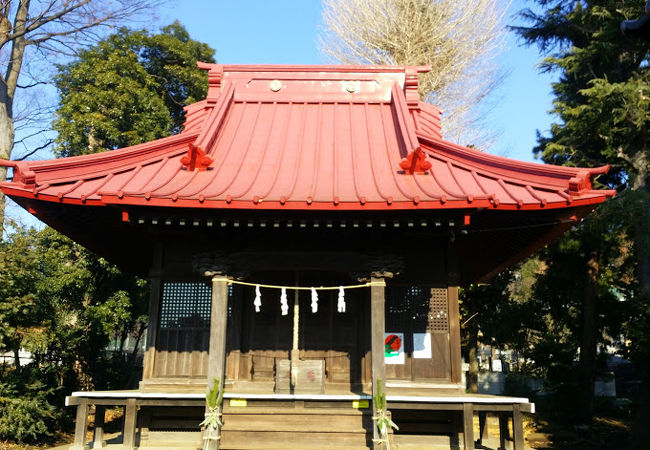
301	420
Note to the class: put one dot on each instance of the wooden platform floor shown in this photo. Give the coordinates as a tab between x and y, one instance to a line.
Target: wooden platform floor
249	390
267	387
413	404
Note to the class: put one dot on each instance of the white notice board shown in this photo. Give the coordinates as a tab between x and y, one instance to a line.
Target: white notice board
422	345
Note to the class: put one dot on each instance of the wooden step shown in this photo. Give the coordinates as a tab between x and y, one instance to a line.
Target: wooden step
231	440
171	440
297	423
415	442
298	427
296	410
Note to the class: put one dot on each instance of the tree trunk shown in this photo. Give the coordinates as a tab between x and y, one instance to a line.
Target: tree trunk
134	354
7	90
589	341
472	347
6	144
82	375
642	235
17	365
641	430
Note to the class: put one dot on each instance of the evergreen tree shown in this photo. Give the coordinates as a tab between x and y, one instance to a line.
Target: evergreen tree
602	103
62	304
128	89
58	300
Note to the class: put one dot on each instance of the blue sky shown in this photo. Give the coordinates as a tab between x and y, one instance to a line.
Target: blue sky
286	32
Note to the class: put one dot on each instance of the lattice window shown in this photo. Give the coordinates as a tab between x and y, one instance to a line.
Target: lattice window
397	308
407	308
185	304
438	316
417	309
419	301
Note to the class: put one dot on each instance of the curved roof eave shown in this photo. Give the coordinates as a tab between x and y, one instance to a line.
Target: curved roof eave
293	147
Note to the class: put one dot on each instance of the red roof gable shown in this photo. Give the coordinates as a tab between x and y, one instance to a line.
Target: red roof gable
306	137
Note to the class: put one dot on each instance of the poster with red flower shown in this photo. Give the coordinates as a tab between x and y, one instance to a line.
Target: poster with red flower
394	348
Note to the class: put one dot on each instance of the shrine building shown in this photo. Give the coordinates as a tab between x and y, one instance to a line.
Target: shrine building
305	236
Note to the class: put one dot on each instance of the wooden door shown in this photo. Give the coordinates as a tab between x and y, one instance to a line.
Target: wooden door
338	338
266	334
419	317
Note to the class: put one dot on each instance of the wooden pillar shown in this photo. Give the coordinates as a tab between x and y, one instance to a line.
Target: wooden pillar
218	325
483	427
81	425
98	438
468	425
377	329
455	358
454	313
155	286
454	440
130	420
144	419
503	430
517	428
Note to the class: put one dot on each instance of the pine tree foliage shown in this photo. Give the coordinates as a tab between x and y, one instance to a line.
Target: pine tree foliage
602	110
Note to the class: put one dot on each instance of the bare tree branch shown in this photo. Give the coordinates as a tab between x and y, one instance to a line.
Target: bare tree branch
31	85
35	32
34	150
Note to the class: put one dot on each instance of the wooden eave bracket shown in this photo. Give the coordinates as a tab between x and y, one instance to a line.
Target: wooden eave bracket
196	158
415	162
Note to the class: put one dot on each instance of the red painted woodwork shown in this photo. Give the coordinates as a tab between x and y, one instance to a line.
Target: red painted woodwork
196	159
415	162
306	138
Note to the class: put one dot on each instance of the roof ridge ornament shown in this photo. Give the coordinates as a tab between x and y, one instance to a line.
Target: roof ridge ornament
415	162
215	77
196	158
411	87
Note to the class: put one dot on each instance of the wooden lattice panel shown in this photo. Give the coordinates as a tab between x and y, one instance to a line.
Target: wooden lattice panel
185	305
438	312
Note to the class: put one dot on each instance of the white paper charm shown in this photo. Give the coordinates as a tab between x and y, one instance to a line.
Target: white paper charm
340	306
258	299
314	301
283	302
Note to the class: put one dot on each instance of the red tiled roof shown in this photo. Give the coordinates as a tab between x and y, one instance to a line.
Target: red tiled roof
305	137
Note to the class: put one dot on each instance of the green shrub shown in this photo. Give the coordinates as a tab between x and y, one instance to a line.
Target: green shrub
26	420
